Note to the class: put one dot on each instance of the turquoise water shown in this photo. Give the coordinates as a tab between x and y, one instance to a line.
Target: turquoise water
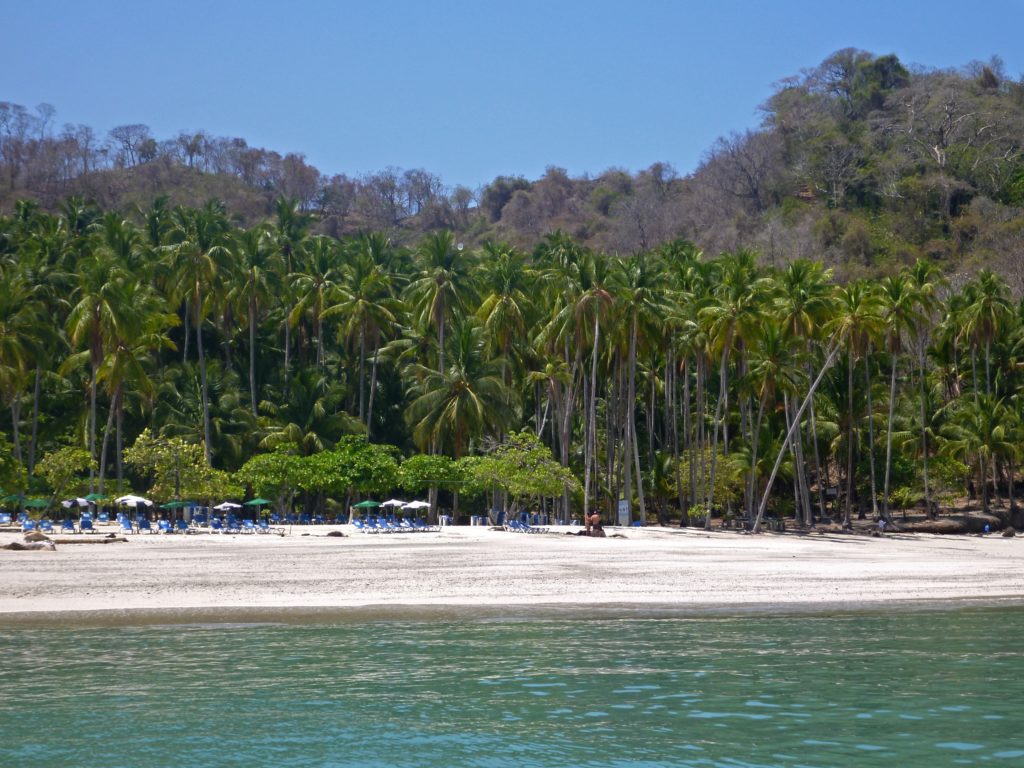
919	689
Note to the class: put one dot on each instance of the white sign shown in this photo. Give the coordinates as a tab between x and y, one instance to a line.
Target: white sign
623	512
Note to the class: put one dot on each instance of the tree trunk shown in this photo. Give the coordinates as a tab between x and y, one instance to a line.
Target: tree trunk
871	437
888	440
848	514
103	447
782	450
373	387
34	441
203	383
252	354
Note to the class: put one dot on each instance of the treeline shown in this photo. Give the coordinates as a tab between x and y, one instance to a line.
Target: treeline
674	381
860	162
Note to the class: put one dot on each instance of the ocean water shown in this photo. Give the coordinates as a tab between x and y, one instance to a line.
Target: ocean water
926	688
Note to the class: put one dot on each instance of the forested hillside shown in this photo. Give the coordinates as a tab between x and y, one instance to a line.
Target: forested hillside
659	334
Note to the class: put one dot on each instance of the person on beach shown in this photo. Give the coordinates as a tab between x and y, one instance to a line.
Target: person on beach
594	527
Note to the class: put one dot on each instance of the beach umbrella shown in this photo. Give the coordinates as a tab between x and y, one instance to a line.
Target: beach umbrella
224	506
37	503
14	498
76	502
393	503
256	502
417	505
133	501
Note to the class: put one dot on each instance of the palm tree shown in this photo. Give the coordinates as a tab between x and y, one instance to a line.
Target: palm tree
444	287
987	311
741	297
200	251
290	230
22	335
465	401
901	312
94	320
979	432
858	319
317	286
259	279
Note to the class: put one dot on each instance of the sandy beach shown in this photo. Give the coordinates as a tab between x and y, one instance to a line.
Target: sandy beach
182	575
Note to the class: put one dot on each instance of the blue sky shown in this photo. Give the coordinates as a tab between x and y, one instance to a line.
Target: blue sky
466	90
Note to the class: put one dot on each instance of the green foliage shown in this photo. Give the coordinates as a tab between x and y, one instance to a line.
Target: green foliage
423	471
275	475
729	476
12	472
524	468
61	468
177	470
352	465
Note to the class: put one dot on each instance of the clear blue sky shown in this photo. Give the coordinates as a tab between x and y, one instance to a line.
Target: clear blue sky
466	90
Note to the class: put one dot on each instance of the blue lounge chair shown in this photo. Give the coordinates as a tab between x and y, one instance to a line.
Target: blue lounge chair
232	526
181	526
126	525
248	526
216	526
164	526
5	518
144	525
85	524
45	526
28	525
68	526
103	517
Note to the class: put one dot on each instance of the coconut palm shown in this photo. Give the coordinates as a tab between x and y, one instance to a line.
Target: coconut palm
856	322
258	281
444	287
463	402
199	252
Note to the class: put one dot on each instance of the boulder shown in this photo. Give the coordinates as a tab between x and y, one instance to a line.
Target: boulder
36	536
1009	533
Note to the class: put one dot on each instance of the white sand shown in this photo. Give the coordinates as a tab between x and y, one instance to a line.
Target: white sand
474	566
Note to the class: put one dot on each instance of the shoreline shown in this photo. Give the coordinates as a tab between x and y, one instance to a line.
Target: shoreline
475	572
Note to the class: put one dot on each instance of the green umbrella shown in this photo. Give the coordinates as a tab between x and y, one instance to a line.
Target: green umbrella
174	505
37	503
95	497
367	504
17	497
256	502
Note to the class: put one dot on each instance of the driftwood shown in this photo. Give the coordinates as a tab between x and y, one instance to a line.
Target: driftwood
92	540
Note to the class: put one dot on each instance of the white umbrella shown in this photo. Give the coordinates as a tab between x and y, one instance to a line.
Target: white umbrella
393	503
226	505
416	505
77	502
133	501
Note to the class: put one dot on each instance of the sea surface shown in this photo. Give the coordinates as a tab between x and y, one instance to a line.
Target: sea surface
926	688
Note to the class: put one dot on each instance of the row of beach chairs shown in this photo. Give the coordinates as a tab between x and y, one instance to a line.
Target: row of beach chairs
384	525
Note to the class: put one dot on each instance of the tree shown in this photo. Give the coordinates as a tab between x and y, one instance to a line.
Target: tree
177	470
524	468
62	468
276	475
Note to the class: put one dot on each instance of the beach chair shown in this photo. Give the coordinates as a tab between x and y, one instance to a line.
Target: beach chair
164	526
248	526
67	526
5	518
103	517
45	526
275	518
232	526
216	526
22	517
181	526
28	525
126	525
85	524
144	525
